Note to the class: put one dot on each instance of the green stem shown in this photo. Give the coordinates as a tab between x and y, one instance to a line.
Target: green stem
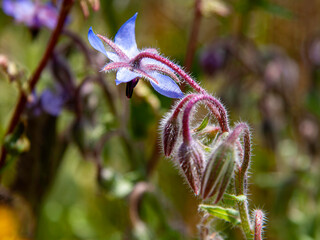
241	173
243	205
245	224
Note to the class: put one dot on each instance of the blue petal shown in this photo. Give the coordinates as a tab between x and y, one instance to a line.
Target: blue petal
126	39
113	56
124	75
167	87
95	42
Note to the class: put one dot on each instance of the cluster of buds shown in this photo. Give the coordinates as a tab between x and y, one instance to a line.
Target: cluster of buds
207	155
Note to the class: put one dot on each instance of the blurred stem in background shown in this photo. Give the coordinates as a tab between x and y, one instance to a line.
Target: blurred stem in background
22	100
193	38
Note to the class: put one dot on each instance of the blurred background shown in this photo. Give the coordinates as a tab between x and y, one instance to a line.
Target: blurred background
88	162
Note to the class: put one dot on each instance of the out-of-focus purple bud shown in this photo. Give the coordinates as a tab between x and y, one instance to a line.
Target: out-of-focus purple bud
52	103
214	57
170	134
32	14
49	102
218	172
191	162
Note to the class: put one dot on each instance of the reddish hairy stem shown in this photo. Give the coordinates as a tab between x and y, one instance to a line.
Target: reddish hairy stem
181	105
171	65
183	75
222	117
193	35
22	100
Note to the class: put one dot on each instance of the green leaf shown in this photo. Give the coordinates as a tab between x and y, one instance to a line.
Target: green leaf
240	198
203	124
228	214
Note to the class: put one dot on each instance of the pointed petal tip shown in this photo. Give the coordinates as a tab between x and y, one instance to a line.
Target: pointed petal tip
176	95
90	31
180	95
118	82
133	18
125	37
96	42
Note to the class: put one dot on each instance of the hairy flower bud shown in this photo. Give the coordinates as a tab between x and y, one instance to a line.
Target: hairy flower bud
170	133
218	172
258	224
191	162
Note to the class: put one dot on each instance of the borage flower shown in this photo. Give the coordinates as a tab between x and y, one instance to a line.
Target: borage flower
32	14
123	51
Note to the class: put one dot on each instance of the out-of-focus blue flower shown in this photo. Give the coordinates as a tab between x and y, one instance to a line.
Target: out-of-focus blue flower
32	14
123	50
49	102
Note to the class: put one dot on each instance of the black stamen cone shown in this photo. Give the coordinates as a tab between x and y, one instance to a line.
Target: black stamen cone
130	86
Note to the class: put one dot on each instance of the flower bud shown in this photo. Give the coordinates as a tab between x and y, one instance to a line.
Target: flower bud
214	57
170	133
191	162
218	172
225	181
258	224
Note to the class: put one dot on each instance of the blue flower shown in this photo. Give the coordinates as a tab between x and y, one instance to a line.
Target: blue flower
32	14
123	50
50	102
